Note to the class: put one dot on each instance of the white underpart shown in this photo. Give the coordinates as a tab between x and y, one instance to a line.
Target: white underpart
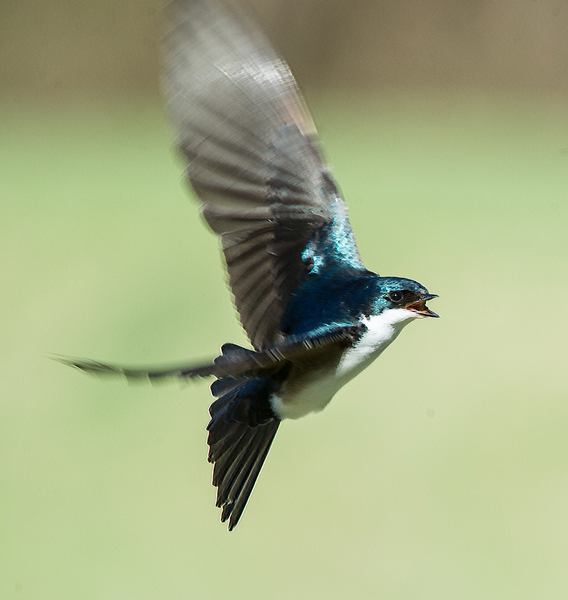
381	331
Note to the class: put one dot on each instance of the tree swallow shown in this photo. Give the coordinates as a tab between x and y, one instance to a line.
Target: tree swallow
314	315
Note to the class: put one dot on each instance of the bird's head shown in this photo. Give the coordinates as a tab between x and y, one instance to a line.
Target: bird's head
404	297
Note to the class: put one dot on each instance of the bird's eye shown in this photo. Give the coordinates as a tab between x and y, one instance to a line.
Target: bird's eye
395	296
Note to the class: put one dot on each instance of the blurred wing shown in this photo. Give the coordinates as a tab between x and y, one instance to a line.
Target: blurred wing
253	160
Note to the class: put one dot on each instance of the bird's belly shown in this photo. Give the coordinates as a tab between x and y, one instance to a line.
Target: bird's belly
306	396
313	389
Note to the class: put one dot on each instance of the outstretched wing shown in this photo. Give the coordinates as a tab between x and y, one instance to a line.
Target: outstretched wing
234	360
253	160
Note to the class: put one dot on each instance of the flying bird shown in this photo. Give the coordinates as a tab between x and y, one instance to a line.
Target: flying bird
314	315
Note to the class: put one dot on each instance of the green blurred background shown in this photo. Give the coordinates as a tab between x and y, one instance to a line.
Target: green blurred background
442	471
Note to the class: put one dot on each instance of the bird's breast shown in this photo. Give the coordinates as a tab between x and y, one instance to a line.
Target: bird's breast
310	387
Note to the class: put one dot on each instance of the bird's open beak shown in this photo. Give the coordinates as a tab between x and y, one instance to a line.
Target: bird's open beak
421	308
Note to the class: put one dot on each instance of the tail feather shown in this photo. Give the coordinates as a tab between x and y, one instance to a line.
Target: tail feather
230	457
219	446
237	482
228	469
237	507
239	441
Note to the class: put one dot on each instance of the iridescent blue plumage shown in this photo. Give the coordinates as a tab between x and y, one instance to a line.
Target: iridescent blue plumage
342	297
333	296
333	245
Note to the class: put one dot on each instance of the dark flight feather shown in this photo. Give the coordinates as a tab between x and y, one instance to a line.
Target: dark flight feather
234	361
253	158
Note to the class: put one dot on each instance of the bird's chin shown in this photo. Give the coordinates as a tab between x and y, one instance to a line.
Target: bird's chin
420	309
